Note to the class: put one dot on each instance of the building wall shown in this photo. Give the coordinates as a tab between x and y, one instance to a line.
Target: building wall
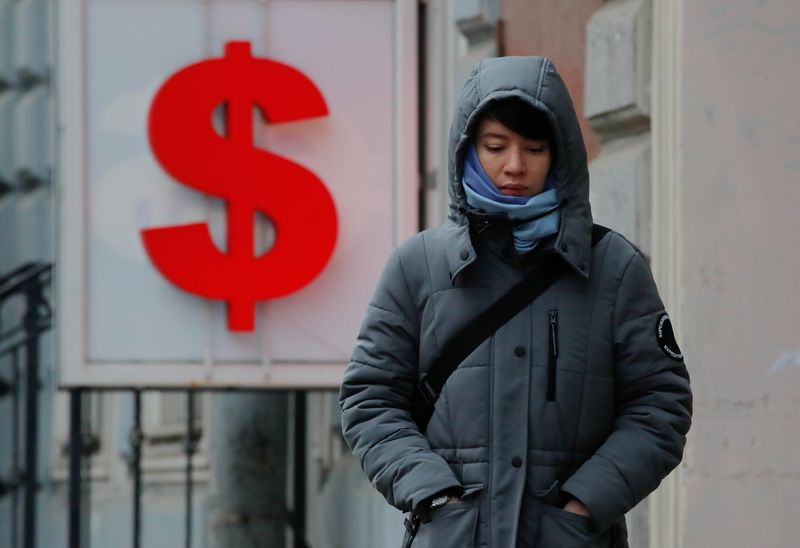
556	30
741	265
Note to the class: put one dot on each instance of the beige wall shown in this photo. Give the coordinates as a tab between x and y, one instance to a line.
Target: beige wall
740	295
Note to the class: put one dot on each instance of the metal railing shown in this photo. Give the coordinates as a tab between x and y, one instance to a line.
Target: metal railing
23	298
19	380
78	449
78	452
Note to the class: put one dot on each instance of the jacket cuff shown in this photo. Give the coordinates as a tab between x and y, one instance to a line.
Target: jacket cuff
428	492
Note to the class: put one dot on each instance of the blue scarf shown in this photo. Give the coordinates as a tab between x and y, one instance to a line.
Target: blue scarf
537	216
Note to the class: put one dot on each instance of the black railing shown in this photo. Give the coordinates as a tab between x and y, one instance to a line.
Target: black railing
136	436
23	299
25	286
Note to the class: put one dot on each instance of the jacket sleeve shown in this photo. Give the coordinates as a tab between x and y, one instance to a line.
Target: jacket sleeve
376	395
653	407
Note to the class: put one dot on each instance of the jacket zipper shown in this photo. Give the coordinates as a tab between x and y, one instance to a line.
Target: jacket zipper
552	355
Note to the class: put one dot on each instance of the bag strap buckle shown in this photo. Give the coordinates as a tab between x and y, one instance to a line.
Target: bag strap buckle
412	524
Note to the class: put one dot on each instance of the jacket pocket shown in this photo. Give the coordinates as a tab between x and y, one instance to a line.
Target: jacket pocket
562	529
552	353
559	528
453	525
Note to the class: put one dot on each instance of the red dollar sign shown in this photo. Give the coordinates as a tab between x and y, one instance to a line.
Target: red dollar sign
248	179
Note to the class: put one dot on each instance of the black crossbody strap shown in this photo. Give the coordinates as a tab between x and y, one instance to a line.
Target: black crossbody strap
484	326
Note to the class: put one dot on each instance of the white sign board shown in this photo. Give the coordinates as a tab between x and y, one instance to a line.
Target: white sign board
121	321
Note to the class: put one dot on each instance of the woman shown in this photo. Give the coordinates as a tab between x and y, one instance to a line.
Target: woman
573	410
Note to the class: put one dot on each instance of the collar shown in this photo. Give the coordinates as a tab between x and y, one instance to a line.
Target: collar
573	244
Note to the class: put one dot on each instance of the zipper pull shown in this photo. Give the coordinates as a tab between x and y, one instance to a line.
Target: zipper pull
554	332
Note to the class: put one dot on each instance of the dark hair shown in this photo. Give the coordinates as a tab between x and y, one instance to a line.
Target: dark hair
519	116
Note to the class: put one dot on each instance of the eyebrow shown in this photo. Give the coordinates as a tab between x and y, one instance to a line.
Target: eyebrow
492	134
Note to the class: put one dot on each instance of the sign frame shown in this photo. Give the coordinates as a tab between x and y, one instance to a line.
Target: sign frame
75	369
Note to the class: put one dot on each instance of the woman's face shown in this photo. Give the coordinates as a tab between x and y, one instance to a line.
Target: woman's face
517	166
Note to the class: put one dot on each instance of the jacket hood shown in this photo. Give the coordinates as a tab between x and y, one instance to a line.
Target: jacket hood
536	81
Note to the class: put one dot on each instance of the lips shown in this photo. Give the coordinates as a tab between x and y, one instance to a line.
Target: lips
513	190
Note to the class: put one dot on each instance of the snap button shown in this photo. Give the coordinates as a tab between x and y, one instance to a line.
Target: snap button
464	255
563	247
583	267
519	351
516	462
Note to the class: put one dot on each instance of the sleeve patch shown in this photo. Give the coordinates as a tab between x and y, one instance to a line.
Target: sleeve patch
666	338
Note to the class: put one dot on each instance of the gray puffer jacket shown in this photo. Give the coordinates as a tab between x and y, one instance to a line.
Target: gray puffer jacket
606	427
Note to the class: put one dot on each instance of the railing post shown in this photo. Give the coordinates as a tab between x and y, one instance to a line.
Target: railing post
75	467
15	465
299	495
33	296
190	448
135	439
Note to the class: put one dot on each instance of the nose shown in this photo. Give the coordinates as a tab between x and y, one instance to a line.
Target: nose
514	163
